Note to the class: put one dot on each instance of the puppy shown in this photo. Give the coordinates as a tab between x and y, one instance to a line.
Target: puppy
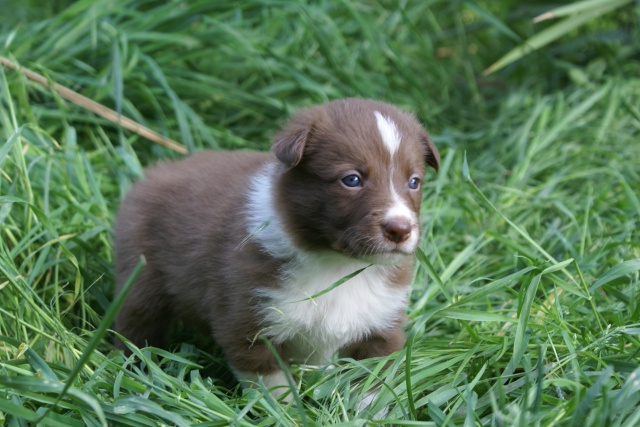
241	243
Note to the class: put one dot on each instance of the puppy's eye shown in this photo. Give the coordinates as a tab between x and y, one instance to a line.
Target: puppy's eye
352	181
414	183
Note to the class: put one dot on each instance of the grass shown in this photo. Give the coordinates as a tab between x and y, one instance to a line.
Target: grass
525	309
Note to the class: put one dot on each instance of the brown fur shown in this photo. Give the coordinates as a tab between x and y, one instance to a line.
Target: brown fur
187	218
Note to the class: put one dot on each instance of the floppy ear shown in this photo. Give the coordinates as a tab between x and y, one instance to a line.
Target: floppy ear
432	157
289	143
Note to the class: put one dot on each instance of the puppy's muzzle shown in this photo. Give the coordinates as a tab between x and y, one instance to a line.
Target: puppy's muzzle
397	230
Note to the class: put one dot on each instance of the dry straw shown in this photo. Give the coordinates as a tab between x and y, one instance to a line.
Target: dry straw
99	109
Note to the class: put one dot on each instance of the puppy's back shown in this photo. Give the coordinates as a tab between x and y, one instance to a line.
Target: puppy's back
181	210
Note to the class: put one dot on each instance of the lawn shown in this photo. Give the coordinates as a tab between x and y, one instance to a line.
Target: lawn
525	309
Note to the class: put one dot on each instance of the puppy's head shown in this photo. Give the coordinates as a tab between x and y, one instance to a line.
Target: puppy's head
353	178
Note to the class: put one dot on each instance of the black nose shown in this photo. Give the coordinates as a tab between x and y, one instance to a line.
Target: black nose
397	230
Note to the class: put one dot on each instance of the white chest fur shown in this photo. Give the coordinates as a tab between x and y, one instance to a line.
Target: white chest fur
319	326
316	328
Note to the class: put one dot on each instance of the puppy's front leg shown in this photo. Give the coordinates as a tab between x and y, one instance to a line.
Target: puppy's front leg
378	345
257	361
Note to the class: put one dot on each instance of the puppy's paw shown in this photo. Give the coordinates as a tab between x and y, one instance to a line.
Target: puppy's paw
365	403
275	382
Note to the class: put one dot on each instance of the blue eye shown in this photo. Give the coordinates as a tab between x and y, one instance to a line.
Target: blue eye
352	181
414	183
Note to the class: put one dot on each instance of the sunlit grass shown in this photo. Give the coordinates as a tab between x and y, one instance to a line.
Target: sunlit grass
526	303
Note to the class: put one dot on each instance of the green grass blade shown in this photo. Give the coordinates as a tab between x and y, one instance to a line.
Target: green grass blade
554	32
99	334
623	269
333	285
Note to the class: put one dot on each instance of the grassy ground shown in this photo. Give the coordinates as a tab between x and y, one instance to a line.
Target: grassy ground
526	304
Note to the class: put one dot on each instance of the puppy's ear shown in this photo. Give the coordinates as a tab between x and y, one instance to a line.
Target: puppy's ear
432	156
288	144
291	142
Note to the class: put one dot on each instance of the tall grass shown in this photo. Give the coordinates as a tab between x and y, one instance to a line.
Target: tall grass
525	309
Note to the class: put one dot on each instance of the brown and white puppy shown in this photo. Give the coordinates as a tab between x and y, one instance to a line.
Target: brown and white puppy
237	242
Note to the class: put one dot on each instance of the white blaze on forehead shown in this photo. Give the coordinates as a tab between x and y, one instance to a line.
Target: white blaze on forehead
388	131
